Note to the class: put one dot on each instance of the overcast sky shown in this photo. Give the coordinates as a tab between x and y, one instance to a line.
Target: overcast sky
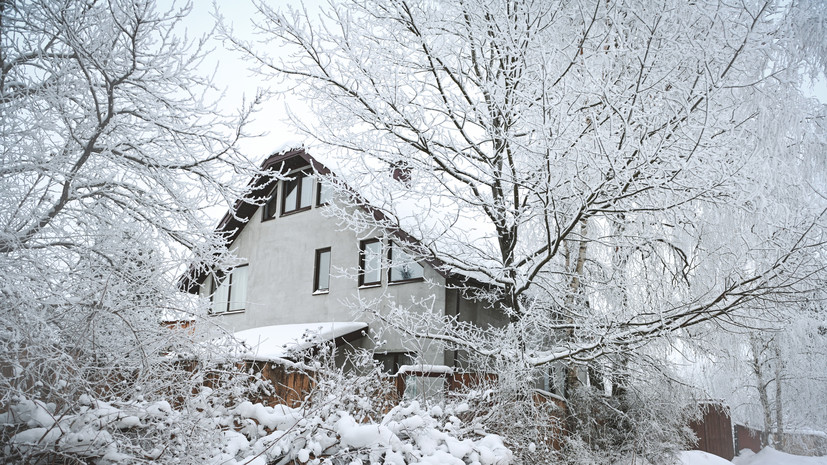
232	73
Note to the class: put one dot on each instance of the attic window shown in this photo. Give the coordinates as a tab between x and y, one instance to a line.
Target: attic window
268	211
401	172
403	268
230	291
297	193
323	193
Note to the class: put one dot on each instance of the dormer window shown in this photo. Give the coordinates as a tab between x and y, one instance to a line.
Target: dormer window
268	211
297	193
401	172
324	193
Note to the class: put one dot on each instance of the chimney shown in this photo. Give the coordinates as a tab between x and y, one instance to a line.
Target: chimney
401	172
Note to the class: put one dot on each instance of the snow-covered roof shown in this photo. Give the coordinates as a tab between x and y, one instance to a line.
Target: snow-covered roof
278	341
426	369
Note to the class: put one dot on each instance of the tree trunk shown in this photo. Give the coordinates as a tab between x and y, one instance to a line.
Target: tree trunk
779	408
761	385
572	379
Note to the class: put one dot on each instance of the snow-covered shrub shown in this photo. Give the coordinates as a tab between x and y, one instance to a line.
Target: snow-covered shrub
407	434
348	418
642	418
353	415
163	426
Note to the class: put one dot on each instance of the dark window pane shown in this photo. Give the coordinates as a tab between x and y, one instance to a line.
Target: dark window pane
238	289
391	361
371	262
230	293
291	193
220	294
325	193
270	206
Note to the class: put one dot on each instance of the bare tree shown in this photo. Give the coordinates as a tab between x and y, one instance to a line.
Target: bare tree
110	151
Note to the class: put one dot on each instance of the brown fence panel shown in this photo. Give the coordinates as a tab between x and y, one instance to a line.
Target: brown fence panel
290	387
747	438
714	431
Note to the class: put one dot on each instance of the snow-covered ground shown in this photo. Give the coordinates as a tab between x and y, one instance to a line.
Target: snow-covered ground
767	456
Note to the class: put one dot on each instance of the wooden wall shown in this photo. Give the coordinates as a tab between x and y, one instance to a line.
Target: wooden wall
714	431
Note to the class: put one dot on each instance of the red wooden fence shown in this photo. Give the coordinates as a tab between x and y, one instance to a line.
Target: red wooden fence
714	431
747	438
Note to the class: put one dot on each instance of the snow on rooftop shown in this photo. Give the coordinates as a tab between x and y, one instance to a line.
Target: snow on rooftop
434	369
278	341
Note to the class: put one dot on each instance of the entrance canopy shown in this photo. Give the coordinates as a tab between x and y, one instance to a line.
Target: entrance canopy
281	341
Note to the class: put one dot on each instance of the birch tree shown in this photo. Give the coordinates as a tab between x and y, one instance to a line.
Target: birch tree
110	150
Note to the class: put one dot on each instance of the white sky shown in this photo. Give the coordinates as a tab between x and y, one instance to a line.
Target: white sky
232	73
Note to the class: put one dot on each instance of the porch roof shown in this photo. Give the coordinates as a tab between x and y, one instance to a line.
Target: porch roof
281	341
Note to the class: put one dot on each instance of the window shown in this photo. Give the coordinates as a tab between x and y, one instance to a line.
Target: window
323	193
321	275
552	379
268	212
297	193
370	262
230	291
403	268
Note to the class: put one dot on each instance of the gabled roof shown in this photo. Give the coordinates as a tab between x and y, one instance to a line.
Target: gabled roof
234	220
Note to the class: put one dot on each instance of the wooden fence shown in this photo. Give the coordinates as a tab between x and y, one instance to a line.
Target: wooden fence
289	387
714	431
747	438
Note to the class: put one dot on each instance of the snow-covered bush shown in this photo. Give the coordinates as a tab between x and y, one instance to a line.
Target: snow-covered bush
531	422
647	416
353	415
335	425
408	433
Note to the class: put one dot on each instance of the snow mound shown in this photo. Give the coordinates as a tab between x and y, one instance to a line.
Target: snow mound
698	457
770	456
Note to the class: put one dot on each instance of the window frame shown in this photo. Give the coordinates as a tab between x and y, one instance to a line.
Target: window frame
362	247
391	246
298	177
226	310
316	270
269	211
319	185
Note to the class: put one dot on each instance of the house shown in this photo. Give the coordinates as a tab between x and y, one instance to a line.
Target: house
300	266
